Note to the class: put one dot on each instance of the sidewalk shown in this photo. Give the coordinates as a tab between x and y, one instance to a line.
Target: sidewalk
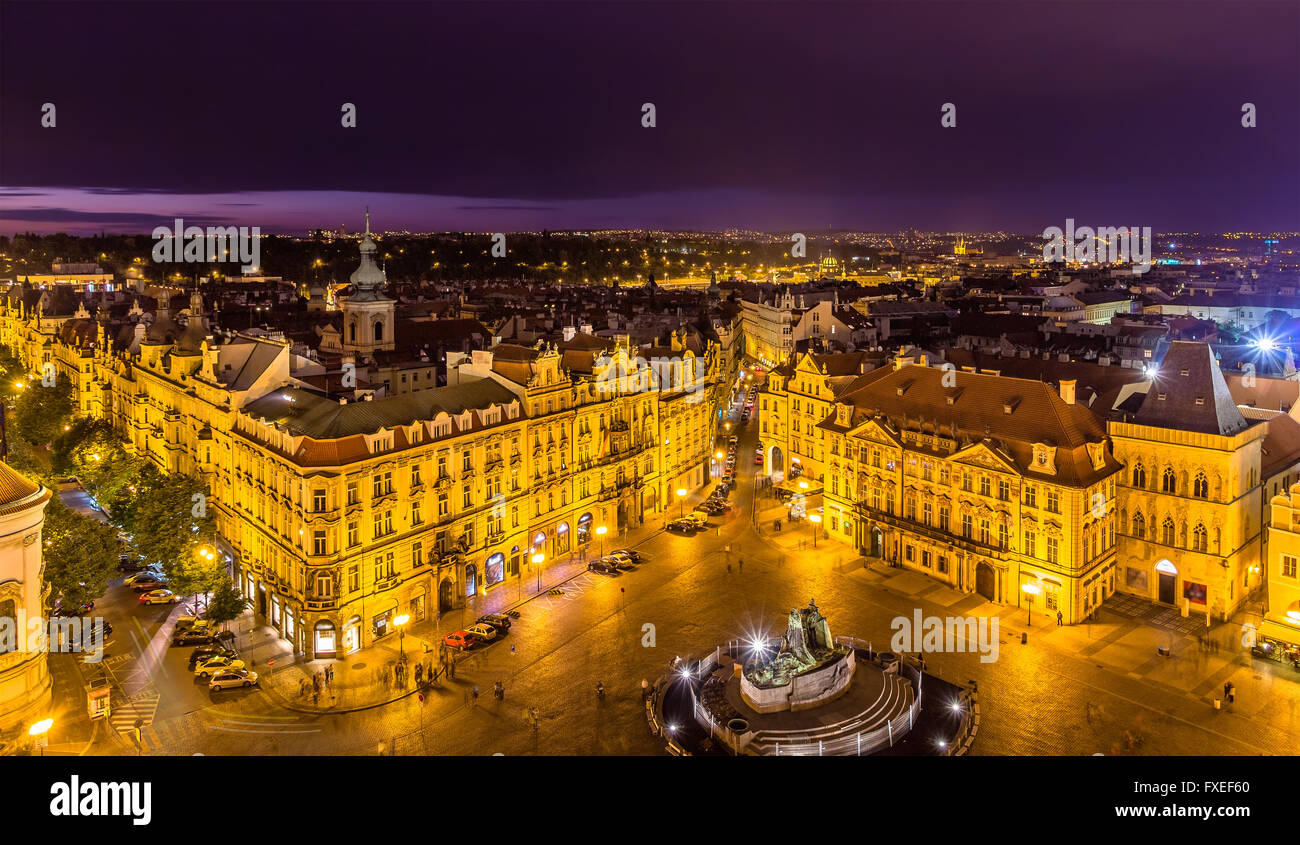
365	678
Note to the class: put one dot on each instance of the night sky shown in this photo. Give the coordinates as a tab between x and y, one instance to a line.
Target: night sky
503	116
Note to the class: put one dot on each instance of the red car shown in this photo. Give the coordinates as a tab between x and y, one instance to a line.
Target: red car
459	639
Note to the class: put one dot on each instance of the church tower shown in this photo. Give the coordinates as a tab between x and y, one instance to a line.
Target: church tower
368	315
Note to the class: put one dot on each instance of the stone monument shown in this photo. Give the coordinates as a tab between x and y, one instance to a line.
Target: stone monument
807	670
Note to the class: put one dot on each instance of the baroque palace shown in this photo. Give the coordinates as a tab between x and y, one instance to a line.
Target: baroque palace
1018	491
341	505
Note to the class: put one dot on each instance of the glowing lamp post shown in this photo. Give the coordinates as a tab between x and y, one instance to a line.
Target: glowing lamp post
38	732
400	623
538	559
600	532
816	521
1031	590
681	498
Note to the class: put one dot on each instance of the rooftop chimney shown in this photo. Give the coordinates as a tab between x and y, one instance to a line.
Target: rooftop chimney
1067	390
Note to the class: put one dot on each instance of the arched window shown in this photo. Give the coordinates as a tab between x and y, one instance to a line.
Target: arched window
1167	531
379	331
1200	539
1201	486
1167	483
1139	526
352	333
1139	475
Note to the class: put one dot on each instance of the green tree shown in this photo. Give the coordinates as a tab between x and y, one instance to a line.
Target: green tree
227	604
169	523
80	555
41	412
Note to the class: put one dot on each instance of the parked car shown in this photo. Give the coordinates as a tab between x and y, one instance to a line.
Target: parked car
227	678
100	630
130	563
159	597
483	633
148	585
733	440
497	620
209	651
631	554
683	526
459	639
205	668
60	610
620	563
602	567
149	573
193	636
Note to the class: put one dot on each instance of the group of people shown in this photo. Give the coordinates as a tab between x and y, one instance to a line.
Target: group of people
321	681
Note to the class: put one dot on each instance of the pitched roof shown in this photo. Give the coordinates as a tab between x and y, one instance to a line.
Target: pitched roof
309	414
1189	393
978	411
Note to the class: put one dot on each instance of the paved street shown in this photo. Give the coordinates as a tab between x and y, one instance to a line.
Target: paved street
1069	690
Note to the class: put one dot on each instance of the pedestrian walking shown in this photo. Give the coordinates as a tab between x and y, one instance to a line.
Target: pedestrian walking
728	569
315	683
740	564
303	688
329	674
1231	691
419	674
1060	619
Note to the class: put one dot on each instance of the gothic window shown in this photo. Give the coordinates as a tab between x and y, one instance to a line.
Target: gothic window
1167	484
1139	526
1201	486
1200	538
1139	476
1167	531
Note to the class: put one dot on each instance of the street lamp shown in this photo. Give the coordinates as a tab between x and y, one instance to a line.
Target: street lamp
401	621
816	521
38	733
1031	590
681	497
538	559
600	532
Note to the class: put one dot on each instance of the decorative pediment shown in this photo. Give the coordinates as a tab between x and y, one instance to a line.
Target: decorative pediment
981	455
876	432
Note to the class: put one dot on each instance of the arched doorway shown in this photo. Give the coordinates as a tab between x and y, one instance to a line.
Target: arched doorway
877	542
1168	586
471	579
514	560
776	464
986	581
561	538
324	643
445	595
584	529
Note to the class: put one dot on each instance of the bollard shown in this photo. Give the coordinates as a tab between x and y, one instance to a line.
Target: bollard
1218	704
1024	637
